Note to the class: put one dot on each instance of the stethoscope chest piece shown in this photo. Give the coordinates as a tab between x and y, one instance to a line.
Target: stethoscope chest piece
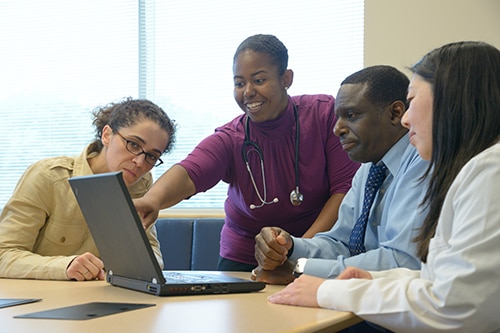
296	197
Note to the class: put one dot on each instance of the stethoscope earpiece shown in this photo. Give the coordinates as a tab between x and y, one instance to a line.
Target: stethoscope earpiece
275	200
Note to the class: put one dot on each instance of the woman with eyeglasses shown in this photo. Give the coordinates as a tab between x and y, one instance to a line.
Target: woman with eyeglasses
283	164
43	234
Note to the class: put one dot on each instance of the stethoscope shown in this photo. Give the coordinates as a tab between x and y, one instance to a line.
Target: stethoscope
296	197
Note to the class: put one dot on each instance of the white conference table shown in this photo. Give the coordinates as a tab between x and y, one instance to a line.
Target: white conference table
231	313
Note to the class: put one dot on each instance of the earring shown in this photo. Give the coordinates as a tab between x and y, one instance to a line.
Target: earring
286	88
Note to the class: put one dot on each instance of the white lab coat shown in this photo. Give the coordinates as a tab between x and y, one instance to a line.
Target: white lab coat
458	289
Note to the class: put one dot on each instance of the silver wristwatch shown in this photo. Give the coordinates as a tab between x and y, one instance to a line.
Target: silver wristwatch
300	264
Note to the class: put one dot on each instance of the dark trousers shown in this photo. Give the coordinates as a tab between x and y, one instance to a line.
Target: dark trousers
365	327
233	266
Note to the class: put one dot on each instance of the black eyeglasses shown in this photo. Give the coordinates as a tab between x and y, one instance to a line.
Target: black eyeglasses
136	149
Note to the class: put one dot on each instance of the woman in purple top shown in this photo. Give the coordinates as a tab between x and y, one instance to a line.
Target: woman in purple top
283	164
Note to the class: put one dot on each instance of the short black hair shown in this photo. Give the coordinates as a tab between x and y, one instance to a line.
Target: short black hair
386	84
267	44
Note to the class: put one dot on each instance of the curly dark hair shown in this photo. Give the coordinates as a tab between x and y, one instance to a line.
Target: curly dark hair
127	113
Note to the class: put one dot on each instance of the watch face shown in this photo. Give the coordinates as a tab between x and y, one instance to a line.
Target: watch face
299	266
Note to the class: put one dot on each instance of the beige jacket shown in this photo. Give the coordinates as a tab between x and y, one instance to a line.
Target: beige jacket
42	228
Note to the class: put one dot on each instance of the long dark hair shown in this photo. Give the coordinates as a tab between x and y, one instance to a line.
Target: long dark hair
465	78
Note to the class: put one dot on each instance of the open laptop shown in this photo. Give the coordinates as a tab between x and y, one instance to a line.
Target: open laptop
125	249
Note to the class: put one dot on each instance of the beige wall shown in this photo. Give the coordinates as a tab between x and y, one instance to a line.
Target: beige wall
399	32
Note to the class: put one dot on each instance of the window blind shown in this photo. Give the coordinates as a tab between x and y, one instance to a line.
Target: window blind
61	59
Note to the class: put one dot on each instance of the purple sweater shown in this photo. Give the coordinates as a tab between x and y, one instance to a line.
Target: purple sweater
324	169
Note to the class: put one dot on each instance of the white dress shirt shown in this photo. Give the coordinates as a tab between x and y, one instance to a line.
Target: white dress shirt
458	289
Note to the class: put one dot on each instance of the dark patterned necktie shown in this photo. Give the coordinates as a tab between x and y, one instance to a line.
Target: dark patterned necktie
375	178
